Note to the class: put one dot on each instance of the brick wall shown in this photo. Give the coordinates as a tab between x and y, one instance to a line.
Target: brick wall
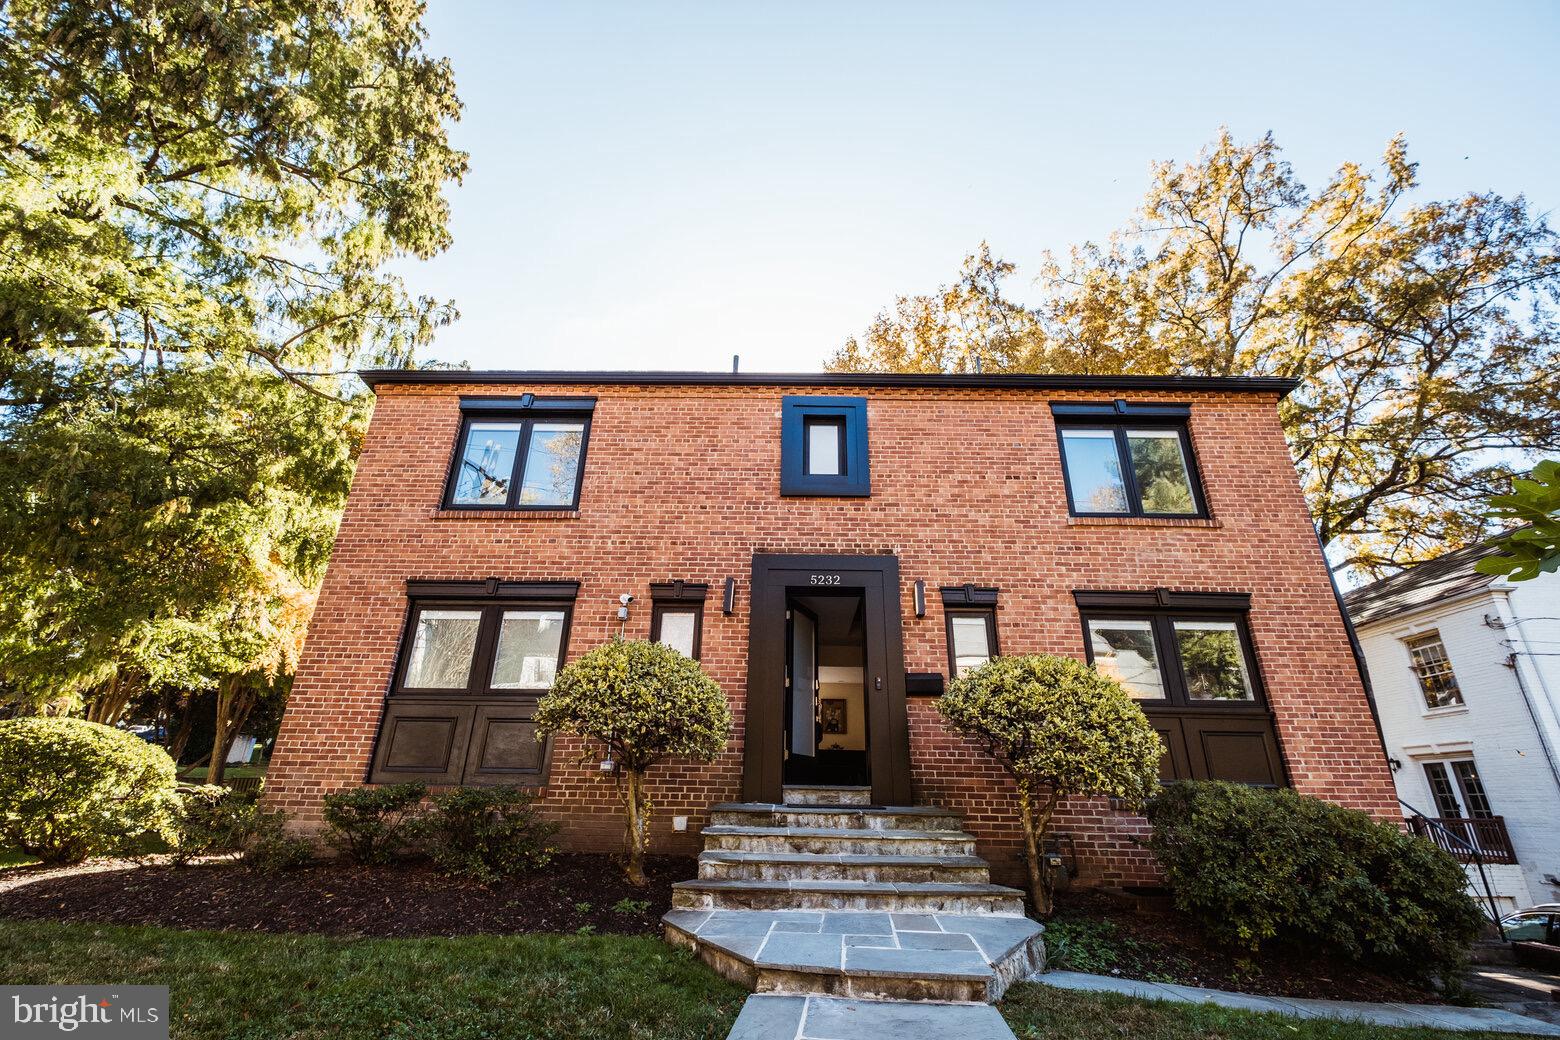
683	483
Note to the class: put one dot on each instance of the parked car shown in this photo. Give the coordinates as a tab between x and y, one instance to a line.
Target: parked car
1535	935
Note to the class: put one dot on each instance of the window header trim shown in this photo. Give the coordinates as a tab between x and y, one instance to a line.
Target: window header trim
527	404
1118	410
492	589
1162	599
968	596
679	591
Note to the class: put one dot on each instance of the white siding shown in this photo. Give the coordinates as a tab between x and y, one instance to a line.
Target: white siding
1495	724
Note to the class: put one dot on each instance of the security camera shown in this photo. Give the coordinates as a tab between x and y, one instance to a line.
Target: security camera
626	598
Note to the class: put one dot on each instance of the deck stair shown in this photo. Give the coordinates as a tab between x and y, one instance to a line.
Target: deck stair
827	895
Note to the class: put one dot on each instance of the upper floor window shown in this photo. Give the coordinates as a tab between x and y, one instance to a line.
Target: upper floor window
1434	670
823	446
677	616
520	453
1457	789
1192	649
972	626
1126	459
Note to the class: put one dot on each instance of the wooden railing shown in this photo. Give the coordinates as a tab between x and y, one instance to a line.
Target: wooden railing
1462	837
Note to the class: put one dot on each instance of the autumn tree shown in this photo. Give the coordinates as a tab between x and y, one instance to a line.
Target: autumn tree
199	207
1423	334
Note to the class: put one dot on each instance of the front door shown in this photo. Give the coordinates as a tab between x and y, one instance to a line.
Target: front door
829	623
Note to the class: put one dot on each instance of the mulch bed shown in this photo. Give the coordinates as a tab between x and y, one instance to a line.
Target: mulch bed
1169	947
574	892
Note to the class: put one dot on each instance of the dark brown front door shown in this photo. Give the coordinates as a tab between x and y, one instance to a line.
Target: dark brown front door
876	578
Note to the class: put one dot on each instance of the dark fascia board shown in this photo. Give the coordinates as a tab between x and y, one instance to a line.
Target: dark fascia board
492	588
1161	599
685	591
968	596
376	377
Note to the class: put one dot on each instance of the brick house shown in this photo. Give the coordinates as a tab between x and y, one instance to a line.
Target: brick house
832	548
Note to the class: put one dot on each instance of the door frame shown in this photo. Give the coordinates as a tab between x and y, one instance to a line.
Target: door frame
888	730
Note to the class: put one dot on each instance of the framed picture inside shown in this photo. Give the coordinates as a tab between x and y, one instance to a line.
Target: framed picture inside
835	719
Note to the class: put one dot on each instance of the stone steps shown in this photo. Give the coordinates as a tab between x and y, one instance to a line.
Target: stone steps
836	842
864	955
741	865
834	817
817	794
893	896
771	1016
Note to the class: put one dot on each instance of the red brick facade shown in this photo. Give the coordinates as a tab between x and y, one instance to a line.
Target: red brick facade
682	482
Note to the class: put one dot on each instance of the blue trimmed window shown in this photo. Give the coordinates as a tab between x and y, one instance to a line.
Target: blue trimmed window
823	447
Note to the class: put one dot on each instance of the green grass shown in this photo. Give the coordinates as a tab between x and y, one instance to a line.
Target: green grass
1042	1012
16	858
303	987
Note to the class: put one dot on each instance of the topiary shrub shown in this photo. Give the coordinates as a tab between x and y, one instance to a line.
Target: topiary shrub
645	703
485	833
371	824
210	821
70	789
1256	866
1059	728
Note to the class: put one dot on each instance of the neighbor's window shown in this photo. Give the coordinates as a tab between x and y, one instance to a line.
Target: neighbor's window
1434	669
449	642
528	457
1457	790
1170	657
1125	459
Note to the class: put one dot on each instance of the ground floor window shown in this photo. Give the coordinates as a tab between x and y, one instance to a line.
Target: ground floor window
475	658
1188	658
677	616
972	626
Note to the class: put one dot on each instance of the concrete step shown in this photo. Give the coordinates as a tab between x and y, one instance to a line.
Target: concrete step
922	957
767	1016
838	817
897	897
796	866
819	794
837	841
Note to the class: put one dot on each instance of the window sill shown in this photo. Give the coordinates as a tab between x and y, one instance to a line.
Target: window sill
1142	521
1453	709
504	514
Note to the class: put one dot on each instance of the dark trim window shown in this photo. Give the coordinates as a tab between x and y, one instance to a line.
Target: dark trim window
1189	649
520	453
474	659
1433	668
677	616
1122	459
823	447
971	621
1188	659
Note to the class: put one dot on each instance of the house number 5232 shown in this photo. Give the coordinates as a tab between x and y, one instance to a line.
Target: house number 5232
823	579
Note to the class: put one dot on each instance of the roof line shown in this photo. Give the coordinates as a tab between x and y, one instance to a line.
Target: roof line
376	377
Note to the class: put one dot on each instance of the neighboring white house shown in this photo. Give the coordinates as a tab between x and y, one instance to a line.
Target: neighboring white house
1466	674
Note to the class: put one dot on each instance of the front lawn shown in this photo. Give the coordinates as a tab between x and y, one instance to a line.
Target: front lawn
228	986
1037	1012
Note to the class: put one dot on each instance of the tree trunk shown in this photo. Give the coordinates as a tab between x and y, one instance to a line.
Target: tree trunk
638	825
222	738
186	723
243	703
110	704
1036	820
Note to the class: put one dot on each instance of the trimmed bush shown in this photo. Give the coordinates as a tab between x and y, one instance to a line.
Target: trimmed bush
211	821
371	824
1060	729
485	833
644	702
268	847
70	789
1256	866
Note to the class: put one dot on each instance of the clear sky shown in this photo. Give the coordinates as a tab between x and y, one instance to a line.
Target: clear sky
663	185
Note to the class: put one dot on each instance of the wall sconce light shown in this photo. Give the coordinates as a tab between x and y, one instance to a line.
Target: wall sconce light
729	604
920	599
1395	763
